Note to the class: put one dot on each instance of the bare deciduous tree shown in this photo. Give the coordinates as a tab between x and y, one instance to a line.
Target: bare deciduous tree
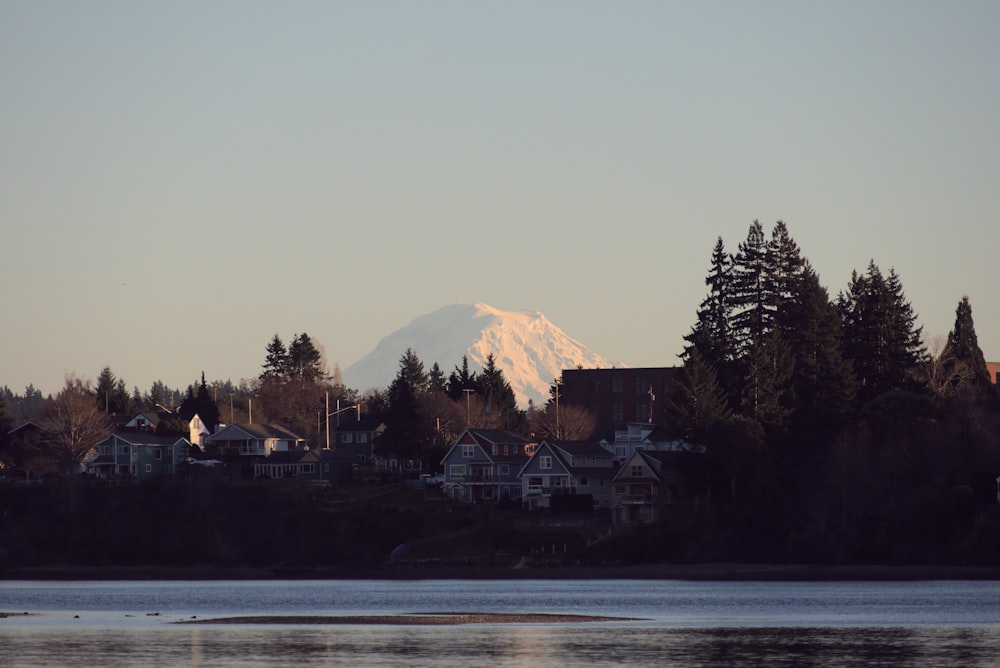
77	423
572	423
946	375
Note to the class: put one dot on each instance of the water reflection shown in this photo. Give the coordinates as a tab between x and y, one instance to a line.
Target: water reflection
687	624
508	646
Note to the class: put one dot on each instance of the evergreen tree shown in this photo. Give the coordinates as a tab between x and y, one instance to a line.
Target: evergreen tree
6	422
408	433
785	267
963	347
499	396
461	379
276	364
696	402
111	393
752	303
411	369
880	336
436	382
711	336
202	403
822	380
305	362
766	393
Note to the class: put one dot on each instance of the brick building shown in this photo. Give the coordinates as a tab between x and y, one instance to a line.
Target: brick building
618	396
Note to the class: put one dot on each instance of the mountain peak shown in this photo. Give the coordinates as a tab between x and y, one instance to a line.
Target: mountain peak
526	346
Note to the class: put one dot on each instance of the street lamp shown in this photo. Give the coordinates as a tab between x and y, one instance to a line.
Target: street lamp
337	412
557	382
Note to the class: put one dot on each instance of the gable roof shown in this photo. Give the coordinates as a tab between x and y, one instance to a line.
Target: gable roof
565	452
254	430
143	438
289	456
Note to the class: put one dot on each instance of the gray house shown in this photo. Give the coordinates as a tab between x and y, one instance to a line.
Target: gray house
137	456
242	446
483	465
646	484
560	468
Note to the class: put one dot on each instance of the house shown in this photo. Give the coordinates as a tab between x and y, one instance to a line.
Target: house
137	456
560	468
625	440
138	422
188	423
483	465
253	440
646	483
245	444
355	437
31	450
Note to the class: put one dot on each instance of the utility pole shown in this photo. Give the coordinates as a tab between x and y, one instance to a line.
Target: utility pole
557	383
468	405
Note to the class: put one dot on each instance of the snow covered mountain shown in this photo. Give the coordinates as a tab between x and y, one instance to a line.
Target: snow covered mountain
529	349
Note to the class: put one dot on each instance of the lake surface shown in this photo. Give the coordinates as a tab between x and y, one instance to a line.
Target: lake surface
935	623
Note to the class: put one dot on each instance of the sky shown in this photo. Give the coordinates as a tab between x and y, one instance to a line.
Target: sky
180	181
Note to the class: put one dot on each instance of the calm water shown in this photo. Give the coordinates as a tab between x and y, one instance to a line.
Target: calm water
682	623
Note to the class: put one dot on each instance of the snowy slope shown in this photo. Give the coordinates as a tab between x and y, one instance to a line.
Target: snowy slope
530	350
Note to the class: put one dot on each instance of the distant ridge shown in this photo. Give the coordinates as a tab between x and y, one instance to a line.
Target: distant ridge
527	347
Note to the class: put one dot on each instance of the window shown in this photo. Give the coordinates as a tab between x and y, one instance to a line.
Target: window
529	449
468	451
307	468
149	468
362	438
617	384
504	469
158	454
348	437
496	449
123	450
105	450
637	471
505	449
618	413
456	472
583	482
545	462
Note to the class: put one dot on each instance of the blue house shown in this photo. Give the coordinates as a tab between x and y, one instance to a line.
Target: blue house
137	456
559	468
483	465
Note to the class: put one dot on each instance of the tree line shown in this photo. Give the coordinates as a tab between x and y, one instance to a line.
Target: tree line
828	425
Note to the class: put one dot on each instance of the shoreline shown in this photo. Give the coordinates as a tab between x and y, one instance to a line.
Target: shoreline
417	619
688	572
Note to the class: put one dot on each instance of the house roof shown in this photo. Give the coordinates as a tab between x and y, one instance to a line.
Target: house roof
581	448
564	450
143	438
497	436
288	456
254	430
367	423
40	425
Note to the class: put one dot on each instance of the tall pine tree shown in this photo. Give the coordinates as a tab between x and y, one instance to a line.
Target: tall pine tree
963	347
880	335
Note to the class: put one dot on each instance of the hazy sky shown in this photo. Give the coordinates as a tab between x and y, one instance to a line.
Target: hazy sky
179	181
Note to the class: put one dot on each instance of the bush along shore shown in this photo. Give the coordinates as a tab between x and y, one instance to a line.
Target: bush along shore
211	529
